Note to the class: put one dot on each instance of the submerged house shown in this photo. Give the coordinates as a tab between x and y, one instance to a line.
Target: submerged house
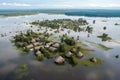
53	49
29	46
36	44
37	47
69	54
38	53
56	45
59	60
79	54
33	41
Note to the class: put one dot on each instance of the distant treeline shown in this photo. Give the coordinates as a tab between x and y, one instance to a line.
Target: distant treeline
69	12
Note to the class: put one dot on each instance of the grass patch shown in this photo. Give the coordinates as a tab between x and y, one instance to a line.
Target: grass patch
86	51
104	47
88	63
105	37
101	46
80	43
23	53
73	60
22	71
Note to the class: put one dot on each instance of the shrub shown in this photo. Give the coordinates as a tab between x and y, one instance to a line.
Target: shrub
46	53
104	37
69	41
40	58
73	60
62	47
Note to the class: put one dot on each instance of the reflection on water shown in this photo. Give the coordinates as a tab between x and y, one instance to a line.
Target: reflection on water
10	59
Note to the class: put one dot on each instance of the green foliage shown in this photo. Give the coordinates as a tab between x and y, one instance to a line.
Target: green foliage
46	53
19	44
73	60
104	47
117	56
68	40
104	37
82	21
117	24
40	58
22	71
104	28
89	29
88	63
62	47
24	67
65	23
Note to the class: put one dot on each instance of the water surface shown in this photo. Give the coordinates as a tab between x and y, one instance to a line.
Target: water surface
11	60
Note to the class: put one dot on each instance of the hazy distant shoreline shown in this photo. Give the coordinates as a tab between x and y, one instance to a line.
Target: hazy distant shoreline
68	12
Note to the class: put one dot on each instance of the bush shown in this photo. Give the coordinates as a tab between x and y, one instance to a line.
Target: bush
46	53
19	44
73	60
69	41
40	58
62	48
104	37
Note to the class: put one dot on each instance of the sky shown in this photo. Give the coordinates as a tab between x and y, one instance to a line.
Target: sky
59	4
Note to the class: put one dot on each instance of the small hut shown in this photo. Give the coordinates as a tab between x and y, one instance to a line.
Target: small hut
69	54
33	40
39	54
79	54
73	50
37	47
29	46
93	60
37	39
36	44
56	45
59	60
48	45
53	49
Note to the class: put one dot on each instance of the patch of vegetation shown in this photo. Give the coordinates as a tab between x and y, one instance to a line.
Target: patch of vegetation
22	71
68	40
3	35
40	58
23	53
74	60
117	24
104	47
101	46
62	47
64	23
46	53
89	29
117	56
105	37
88	63
86	51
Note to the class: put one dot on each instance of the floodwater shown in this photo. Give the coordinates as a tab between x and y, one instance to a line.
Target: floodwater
11	60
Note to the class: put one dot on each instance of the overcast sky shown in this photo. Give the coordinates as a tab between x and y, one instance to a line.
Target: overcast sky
21	4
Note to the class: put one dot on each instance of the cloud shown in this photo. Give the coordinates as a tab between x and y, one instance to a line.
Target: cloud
35	5
63	5
105	5
55	5
14	4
